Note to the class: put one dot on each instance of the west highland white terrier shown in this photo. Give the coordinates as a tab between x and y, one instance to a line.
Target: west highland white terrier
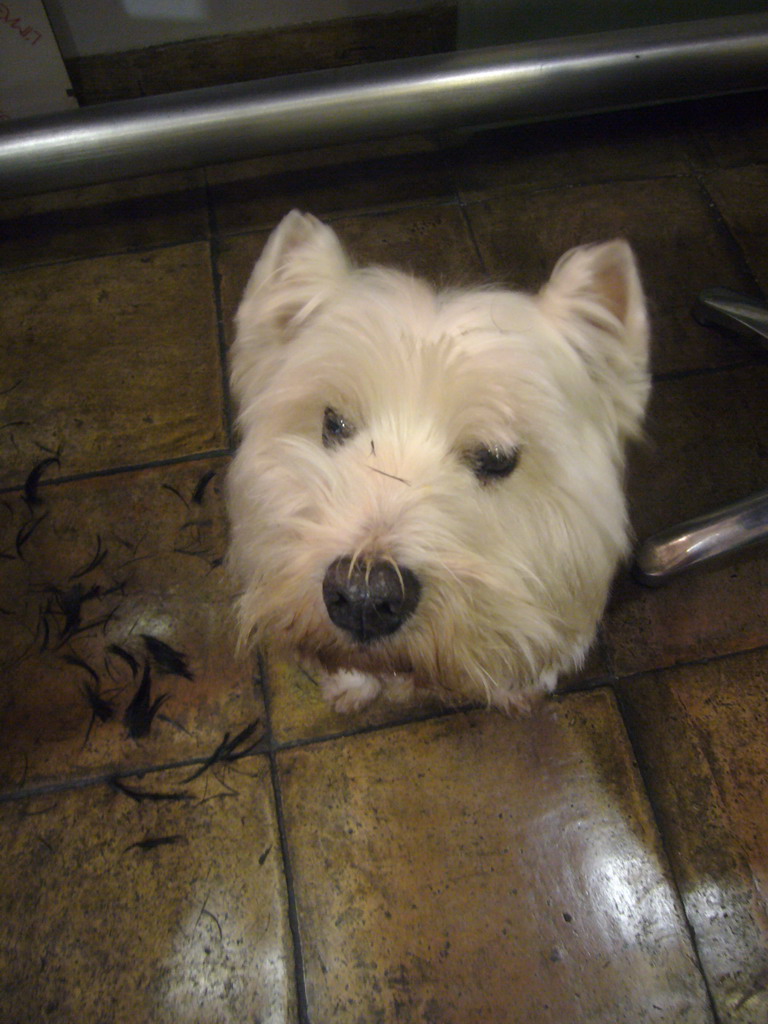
429	486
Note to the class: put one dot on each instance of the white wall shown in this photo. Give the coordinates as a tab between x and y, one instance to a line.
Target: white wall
34	79
86	27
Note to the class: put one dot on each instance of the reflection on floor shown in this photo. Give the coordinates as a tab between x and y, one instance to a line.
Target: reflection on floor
192	838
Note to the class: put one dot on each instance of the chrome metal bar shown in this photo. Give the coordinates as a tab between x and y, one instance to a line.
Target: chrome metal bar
507	84
723	532
719	307
733	527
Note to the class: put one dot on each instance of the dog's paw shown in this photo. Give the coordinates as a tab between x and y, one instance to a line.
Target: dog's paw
399	689
349	691
523	702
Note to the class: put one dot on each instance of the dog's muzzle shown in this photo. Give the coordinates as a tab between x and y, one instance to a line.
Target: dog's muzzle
369	599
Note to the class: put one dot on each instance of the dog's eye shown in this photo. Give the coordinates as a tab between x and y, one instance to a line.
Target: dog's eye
492	462
336	429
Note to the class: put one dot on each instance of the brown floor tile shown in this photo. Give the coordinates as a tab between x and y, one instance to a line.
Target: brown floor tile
125	215
236	258
714	609
648	143
705	446
701	734
341	179
706	450
112	361
88	572
677	239
742	196
432	241
99	929
729	131
460	868
299	712
478	868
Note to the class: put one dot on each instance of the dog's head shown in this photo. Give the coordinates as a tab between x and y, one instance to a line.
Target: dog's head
430	482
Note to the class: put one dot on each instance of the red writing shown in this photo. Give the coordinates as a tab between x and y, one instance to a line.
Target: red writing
31	35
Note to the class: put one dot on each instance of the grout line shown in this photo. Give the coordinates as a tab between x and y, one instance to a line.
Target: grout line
282	831
366	730
522	191
215	252
270	749
730	238
334	216
668	859
343	213
693	663
105	778
374	212
606	649
127	250
293	914
178	460
464	211
609	679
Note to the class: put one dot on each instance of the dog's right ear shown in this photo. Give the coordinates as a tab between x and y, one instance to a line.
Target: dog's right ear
302	263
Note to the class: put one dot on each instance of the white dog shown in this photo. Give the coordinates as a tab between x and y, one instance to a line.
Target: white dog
429	487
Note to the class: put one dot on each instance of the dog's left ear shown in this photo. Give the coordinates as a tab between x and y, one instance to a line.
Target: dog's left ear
595	296
301	264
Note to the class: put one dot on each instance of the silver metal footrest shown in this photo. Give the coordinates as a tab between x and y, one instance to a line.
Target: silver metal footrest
698	540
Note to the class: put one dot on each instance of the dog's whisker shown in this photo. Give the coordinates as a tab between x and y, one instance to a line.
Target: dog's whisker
391	561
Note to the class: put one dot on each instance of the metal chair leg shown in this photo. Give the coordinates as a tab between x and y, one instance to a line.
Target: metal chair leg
722	532
736	526
718	307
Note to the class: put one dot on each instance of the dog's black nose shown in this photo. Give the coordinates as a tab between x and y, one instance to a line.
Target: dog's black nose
369	599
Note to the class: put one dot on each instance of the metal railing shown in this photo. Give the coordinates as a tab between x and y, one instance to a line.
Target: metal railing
506	84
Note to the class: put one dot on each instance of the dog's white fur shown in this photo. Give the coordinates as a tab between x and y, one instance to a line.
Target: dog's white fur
514	571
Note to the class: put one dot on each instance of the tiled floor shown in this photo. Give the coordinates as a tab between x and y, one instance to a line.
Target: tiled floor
189	837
